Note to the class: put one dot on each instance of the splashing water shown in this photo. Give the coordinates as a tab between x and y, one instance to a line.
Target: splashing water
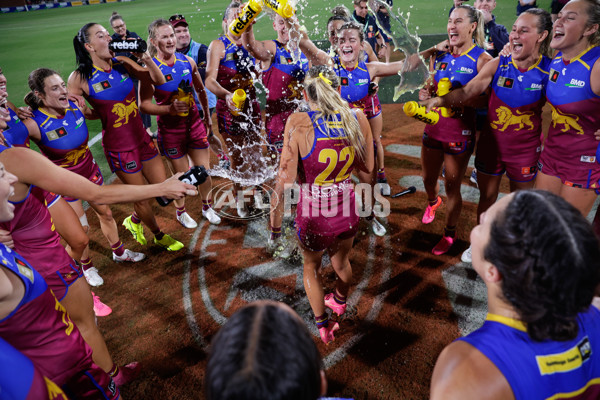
409	44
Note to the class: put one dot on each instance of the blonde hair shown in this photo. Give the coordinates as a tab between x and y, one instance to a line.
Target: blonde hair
152	31
476	16
321	86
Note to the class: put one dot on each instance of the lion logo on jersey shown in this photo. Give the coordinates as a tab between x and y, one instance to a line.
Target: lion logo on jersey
506	118
123	111
73	156
568	121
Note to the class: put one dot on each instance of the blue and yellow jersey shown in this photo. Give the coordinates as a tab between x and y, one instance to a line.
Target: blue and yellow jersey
16	133
64	139
547	369
113	96
354	85
575	115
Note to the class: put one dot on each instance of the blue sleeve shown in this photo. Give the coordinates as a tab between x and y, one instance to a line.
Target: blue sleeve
498	34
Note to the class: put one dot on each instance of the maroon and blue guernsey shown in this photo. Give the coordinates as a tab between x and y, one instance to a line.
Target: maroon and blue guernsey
35	236
460	69
165	94
575	117
515	109
113	96
283	81
327	202
237	70
64	140
40	328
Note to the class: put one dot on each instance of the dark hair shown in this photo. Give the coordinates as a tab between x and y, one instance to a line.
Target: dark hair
340	13
264	351
544	24
115	16
549	259
36	81
85	66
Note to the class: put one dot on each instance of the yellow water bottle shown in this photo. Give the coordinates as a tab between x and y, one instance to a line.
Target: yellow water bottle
184	94
281	7
413	109
239	98
248	14
444	86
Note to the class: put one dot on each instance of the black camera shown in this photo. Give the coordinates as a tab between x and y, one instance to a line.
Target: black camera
132	46
195	176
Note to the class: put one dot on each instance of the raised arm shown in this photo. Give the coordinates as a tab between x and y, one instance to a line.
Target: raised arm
315	55
262	51
150	74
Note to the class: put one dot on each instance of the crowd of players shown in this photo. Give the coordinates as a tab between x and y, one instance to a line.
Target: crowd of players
322	116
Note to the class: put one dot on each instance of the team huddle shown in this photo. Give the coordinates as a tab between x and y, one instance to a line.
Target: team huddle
322	125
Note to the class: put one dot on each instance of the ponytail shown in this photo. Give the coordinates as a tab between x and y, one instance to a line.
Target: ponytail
321	86
32	101
85	66
476	16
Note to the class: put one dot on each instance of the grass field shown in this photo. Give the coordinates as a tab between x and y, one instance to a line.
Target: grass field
44	38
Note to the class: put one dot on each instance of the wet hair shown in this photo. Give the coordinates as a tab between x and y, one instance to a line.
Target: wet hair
353	25
36	82
544	23
264	351
152	31
330	103
115	16
233	4
85	66
475	16
340	13
357	2
549	260
593	12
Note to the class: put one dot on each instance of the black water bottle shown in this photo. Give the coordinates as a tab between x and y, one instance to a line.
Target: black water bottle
131	46
195	176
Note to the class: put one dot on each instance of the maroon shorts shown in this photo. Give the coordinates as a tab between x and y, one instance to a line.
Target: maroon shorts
92	383
318	241
61	280
453	148
370	106
519	166
580	178
131	161
175	146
